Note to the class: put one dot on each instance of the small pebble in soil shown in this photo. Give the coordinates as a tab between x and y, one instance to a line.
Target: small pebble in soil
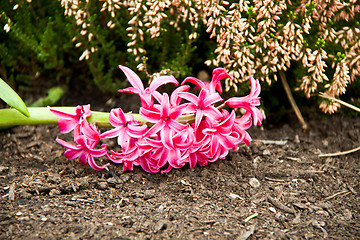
103	185
296	139
235	196
54	192
160	225
272	209
266	152
124	178
254	182
149	194
322	212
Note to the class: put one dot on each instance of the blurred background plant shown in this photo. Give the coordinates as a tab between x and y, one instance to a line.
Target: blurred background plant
66	42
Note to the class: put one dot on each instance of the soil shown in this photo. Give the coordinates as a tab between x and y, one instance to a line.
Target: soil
276	188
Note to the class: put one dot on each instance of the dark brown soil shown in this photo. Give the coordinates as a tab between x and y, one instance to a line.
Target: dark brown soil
294	193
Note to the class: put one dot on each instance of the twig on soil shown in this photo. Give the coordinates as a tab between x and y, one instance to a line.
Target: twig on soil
276	142
12	192
339	153
338	194
274	180
292	100
323	95
281	206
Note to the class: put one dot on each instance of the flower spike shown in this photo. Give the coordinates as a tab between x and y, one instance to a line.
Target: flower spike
180	129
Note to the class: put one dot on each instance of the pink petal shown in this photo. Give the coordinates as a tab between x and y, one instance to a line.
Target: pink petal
213	113
174	98
112	133
72	154
98	152
198	117
83	158
217	75
155	128
178	111
145	165
128	166
136	131
66	125
94	166
176	126
195	81
212	99
174	159
133	78
166	138
157	96
62	114
165	106
164	157
90	131
228	123
149	115
156	83
117	117
68	145
168	169
130	90
190	97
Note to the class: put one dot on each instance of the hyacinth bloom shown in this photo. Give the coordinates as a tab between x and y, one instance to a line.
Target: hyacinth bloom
145	94
164	117
202	105
214	85
220	137
84	151
126	129
249	102
68	122
185	128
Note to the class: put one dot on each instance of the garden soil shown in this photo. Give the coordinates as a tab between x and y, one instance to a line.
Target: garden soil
276	188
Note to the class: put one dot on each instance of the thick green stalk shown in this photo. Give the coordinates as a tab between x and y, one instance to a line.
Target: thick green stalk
42	115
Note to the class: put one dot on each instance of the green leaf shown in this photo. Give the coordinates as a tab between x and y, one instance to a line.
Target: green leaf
54	95
12	98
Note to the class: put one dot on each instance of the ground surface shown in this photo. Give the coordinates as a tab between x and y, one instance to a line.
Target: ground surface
294	193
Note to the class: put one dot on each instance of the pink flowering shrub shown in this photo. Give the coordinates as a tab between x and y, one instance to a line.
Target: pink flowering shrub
179	129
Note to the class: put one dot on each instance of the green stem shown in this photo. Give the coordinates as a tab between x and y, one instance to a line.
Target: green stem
42	115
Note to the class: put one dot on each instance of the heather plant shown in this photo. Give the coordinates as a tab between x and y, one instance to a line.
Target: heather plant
264	38
170	131
317	41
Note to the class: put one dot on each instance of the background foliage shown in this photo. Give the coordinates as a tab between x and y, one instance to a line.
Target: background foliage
66	42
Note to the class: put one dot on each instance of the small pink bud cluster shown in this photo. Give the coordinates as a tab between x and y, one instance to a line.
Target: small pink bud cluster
178	129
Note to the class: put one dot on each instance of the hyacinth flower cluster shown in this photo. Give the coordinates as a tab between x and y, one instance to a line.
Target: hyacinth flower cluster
170	130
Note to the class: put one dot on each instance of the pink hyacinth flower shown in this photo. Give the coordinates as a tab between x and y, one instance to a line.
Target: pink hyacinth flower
249	102
181	141
217	75
241	125
84	151
126	129
146	94
68	122
220	138
203	105
164	117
